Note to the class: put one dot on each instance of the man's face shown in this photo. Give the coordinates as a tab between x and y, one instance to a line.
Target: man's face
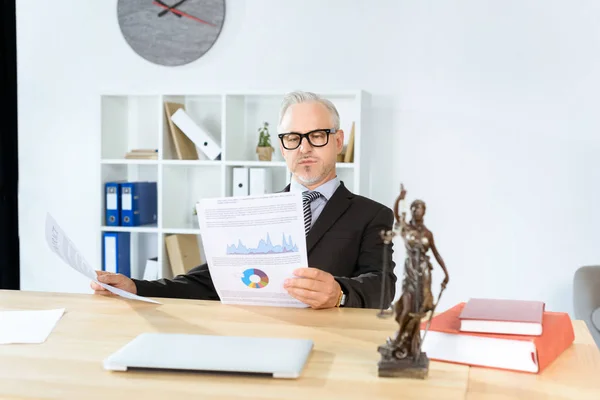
311	165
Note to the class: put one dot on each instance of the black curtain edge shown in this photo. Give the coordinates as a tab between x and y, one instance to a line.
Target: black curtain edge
9	225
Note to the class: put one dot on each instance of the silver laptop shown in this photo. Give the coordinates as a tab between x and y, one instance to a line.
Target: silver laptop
276	357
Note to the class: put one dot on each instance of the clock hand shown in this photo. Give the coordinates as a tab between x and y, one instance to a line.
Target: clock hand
167	10
158	3
160	14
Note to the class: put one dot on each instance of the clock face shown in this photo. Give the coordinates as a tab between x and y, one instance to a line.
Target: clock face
171	32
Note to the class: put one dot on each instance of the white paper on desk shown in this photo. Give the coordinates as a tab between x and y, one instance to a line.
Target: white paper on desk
252	244
30	326
60	243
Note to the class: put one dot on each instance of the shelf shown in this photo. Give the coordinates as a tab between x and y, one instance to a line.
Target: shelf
128	161
274	164
129	122
279	93
209	163
139	121
181	231
182	187
132	229
344	165
256	163
151	229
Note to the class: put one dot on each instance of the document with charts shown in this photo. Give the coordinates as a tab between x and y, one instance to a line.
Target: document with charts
59	242
252	245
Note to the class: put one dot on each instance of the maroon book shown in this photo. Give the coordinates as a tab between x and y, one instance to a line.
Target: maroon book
517	317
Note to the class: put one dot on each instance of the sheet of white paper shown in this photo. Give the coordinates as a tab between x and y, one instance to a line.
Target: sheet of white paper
252	244
31	326
60	243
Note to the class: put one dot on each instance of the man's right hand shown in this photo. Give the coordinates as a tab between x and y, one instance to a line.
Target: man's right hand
119	281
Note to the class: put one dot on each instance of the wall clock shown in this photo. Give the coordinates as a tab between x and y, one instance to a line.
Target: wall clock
171	32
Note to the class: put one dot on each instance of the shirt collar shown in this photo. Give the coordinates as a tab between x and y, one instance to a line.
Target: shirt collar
327	189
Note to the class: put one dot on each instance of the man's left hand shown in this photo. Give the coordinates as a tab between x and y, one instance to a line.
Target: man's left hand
314	287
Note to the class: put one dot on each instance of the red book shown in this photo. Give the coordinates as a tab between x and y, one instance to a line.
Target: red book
445	342
518	317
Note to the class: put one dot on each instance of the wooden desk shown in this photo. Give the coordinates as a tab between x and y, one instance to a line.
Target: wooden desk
343	364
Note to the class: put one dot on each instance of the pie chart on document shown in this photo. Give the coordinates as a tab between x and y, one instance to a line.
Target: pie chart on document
255	278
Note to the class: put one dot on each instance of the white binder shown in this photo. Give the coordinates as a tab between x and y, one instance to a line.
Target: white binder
240	181
151	269
197	134
110	253
260	181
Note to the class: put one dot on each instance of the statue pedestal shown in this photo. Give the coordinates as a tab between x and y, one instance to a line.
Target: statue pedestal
408	367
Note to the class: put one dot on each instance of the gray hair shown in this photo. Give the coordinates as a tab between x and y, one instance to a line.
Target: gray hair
308	97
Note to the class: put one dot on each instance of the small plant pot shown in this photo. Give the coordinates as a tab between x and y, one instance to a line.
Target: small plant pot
264	153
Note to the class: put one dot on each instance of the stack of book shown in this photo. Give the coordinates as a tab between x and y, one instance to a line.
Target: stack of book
142	154
516	335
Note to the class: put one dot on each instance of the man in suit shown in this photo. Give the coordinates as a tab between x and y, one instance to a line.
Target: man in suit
345	250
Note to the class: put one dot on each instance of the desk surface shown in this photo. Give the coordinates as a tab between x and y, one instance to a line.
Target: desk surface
343	363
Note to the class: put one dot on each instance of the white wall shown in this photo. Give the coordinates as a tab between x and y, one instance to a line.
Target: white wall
491	106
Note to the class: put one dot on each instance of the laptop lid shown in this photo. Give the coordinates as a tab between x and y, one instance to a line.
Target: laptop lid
277	357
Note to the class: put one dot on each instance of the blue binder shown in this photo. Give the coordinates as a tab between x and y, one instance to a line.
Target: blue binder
116	252
113	203
138	203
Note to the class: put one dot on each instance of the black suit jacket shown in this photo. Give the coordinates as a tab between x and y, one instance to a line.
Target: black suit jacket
343	241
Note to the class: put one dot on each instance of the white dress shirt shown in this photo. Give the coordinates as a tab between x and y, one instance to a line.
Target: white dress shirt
326	190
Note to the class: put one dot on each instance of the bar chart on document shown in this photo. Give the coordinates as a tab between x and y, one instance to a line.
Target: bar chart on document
252	244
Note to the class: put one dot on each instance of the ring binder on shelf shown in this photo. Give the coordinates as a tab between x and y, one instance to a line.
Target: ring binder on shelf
113	203
198	135
240	181
116	254
138	203
260	181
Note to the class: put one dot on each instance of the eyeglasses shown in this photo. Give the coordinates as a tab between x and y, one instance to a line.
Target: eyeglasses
316	138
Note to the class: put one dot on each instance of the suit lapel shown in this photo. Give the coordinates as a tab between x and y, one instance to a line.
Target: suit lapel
333	210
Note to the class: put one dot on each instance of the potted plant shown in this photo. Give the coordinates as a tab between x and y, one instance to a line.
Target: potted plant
264	148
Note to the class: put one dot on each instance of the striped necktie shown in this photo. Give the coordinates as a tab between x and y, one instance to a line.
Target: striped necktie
307	198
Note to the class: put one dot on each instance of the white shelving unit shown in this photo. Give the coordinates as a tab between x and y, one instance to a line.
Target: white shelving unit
131	121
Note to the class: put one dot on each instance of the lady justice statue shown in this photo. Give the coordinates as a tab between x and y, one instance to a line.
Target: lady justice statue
402	355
